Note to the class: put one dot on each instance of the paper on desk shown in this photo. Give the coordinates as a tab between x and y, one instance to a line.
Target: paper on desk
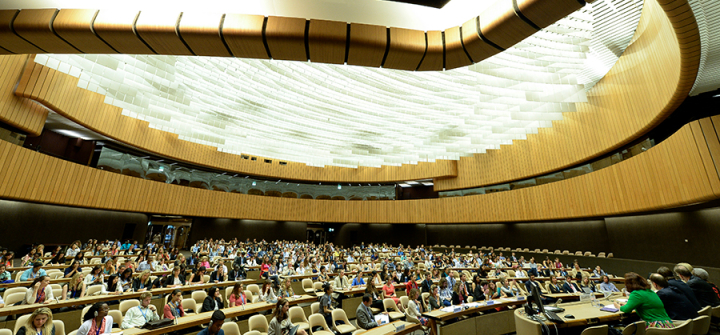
622	300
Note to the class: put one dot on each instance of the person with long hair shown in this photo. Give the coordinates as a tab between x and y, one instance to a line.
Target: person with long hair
109	267
58	259
286	290
434	299
96	321
389	292
75	288
40	291
267	294
113	286
280	323
198	276
415	308
175	279
213	300
607	286
237	295
95	277
72	269
174	309
40	322
126	280
644	302
143	282
8	259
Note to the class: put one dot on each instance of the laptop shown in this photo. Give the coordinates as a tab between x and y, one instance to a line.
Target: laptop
382	319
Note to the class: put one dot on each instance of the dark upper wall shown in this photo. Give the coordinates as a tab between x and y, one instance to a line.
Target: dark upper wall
394	234
662	237
23	223
242	229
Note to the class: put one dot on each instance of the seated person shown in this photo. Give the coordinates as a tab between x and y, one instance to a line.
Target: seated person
113	286
34	272
175	279
341	281
586	283
280	323
554	286
143	282
198	276
607	285
213	301
215	326
677	305
140	315
237	296
598	272
96	321
40	322
5	276
75	288
95	277
40	292
364	316
569	286
286	290
174	309
219	275
644	302
358	280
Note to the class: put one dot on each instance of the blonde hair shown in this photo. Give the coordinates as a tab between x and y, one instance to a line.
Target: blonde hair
142	274
30	325
74	280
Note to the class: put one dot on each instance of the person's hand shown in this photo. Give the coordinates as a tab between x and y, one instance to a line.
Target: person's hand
37	285
616	305
152	308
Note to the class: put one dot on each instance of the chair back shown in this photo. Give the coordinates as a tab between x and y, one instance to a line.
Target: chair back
6	332
189	304
318	286
254	289
259	323
57	293
701	325
93	290
230	328
125	305
21	321
307	285
390	305
404	300
683	328
85	310
14	298
339	315
228	291
317	320
117	317
597	330
296	314
315	308
199	296
12	290
253	332
55	275
59	327
707	310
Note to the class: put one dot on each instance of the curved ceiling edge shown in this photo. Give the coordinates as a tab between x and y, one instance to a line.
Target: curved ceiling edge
631	99
498	27
682	168
59	92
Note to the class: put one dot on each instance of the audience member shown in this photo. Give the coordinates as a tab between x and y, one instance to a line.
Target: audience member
215	326
96	320
644	302
680	285
75	288
40	322
363	314
34	272
237	296
702	290
280	323
140	315
40	292
676	304
174	309
213	301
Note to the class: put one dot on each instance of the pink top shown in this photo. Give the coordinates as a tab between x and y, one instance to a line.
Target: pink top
388	290
241	300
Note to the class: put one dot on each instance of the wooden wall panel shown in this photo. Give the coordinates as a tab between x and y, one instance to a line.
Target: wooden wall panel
285	38
158	30
34	26
8	40
21	113
500	24
434	56
201	32
631	99
116	28
367	45
75	26
455	55
327	41
244	35
543	12
668	175
407	48
475	46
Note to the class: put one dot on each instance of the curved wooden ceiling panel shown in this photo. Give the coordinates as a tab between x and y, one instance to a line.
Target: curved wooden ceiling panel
249	36
75	27
201	33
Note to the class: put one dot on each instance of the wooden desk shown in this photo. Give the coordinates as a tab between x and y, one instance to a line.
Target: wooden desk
584	314
203	318
64	280
390	329
494	323
27	309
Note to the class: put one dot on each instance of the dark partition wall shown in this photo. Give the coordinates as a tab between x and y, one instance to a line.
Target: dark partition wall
22	223
393	234
242	229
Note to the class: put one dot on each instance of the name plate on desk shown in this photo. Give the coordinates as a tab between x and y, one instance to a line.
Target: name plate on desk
490	302
520	298
399	328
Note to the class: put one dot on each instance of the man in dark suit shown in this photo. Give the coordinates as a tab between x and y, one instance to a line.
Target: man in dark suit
529	285
365	319
569	286
703	291
554	286
680	285
677	305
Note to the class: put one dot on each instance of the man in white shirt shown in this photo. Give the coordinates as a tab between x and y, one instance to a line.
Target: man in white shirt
140	315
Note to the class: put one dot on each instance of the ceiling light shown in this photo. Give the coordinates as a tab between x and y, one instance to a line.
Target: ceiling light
427	183
404	185
254	183
411	182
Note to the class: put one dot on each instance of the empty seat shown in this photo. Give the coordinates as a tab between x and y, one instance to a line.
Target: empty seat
14	298
344	328
199	297
59	327
637	328
587	253
259	323
190	306
317	320
230	328
701	325
12	290
597	330
307	285
315	308
610	255
392	309
297	317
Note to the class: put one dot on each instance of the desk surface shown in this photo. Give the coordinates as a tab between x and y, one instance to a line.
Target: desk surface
584	313
203	318
390	329
473	307
64	280
26	309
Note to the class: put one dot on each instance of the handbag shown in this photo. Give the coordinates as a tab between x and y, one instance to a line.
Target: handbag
157	324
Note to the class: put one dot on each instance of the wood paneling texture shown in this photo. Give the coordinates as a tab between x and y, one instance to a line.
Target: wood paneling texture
455	55
34	26
671	174
201	32
407	48
434	56
285	38
244	35
367	45
475	46
327	41
8	40
62	95
502	26
116	28
158	30
21	113
75	26
631	99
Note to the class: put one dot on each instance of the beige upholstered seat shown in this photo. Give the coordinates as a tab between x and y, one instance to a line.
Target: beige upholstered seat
199	297
684	328
127	304
259	323
598	330
701	325
230	328
297	317
317	320
392	309
339	315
